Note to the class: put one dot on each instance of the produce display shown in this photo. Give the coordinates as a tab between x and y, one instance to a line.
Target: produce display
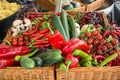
72	39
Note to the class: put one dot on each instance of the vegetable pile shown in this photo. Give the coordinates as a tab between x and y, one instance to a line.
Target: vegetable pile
70	39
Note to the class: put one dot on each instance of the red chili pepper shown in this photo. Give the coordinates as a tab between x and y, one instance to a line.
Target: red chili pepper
13	51
29	32
87	17
10	39
106	33
41	32
15	42
36	37
41	42
43	45
57	40
8	62
4	46
99	58
73	44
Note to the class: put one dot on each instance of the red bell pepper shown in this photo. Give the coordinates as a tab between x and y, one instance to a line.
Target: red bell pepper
13	51
73	44
55	38
71	62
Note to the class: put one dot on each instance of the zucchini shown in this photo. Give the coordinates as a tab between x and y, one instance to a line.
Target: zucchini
64	21
58	25
51	59
27	63
38	61
72	25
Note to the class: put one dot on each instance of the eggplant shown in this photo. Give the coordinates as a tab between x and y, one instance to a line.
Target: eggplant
87	1
67	6
75	4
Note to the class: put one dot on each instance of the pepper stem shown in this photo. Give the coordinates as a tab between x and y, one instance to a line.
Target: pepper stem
68	62
17	58
8	42
48	25
63	66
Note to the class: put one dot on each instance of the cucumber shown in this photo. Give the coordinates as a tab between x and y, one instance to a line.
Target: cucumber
72	25
38	61
51	59
64	21
27	63
58	25
48	52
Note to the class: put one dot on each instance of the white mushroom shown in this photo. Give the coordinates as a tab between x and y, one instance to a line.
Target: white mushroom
78	29
27	23
15	31
20	26
17	23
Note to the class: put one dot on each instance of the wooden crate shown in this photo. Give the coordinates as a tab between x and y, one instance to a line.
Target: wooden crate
50	5
19	73
94	5
90	73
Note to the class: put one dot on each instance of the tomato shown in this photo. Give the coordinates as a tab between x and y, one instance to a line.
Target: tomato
100	37
109	45
99	51
103	41
90	41
96	42
95	33
114	41
88	34
90	46
104	48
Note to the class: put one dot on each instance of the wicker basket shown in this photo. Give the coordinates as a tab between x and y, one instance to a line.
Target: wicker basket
90	73
94	5
19	73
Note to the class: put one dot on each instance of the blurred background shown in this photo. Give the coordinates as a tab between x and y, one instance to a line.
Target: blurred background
111	8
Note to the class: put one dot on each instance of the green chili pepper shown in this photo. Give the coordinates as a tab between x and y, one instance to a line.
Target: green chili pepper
86	62
17	58
82	54
108	59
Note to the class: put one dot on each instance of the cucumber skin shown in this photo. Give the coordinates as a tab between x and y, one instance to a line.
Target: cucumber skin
58	25
48	52
51	59
38	61
27	63
72	25
64	21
